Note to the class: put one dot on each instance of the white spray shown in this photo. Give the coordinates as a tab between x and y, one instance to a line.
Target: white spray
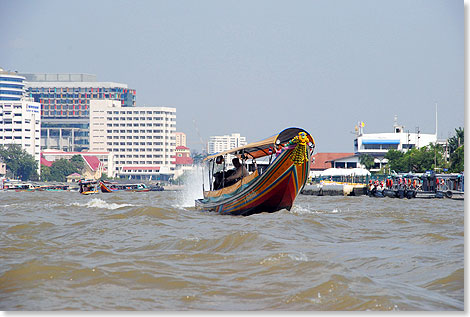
193	186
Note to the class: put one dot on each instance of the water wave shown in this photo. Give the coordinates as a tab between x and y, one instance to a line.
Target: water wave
151	252
99	203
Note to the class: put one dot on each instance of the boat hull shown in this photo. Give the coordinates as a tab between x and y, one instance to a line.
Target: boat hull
90	192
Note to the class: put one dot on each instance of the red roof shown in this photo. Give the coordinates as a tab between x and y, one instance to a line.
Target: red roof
182	148
92	161
323	160
45	162
183	160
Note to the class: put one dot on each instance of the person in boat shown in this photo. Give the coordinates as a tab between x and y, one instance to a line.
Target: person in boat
219	176
238	172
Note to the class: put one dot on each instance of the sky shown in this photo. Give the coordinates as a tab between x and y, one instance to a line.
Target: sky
258	67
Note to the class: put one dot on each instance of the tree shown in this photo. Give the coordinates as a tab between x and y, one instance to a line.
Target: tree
420	160
61	169
198	157
45	173
456	141
457	160
19	163
417	160
395	160
456	151
77	162
367	160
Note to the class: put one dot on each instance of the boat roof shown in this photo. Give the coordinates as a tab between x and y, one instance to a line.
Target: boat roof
262	148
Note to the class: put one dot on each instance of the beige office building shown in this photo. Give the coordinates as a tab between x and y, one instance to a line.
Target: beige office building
180	139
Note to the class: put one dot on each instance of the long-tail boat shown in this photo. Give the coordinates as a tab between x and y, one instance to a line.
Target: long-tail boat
88	186
108	187
268	188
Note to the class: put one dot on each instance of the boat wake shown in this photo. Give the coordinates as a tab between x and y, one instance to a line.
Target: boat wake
99	203
303	210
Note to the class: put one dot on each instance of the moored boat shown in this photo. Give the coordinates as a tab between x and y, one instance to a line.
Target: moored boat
53	188
20	187
270	187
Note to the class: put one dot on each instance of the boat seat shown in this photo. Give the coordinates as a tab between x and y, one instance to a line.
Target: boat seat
232	188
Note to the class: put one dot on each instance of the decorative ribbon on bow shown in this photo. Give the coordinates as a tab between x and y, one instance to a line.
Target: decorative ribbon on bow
299	155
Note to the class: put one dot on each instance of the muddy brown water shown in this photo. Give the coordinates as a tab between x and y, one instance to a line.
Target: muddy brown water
153	251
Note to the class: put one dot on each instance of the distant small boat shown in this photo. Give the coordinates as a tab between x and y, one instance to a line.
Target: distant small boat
156	188
88	187
20	187
53	188
108	187
268	188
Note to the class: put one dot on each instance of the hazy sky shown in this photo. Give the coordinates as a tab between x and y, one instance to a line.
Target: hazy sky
257	67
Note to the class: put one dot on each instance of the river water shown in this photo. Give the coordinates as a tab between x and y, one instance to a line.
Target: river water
153	251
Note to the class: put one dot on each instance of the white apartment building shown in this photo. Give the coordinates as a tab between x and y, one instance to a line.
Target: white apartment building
222	143
20	123
20	117
141	139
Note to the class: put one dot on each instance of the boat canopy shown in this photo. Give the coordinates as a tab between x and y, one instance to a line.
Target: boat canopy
263	147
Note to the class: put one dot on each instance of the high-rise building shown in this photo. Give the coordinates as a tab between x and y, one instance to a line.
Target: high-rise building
20	117
222	143
180	139
142	139
11	86
65	101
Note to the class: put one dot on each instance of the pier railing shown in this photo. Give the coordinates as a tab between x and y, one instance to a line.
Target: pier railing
349	179
444	182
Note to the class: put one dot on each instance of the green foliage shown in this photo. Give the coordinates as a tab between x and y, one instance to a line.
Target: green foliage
77	162
61	169
198	157
367	160
456	141
457	160
395	160
416	160
45	173
20	164
456	151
